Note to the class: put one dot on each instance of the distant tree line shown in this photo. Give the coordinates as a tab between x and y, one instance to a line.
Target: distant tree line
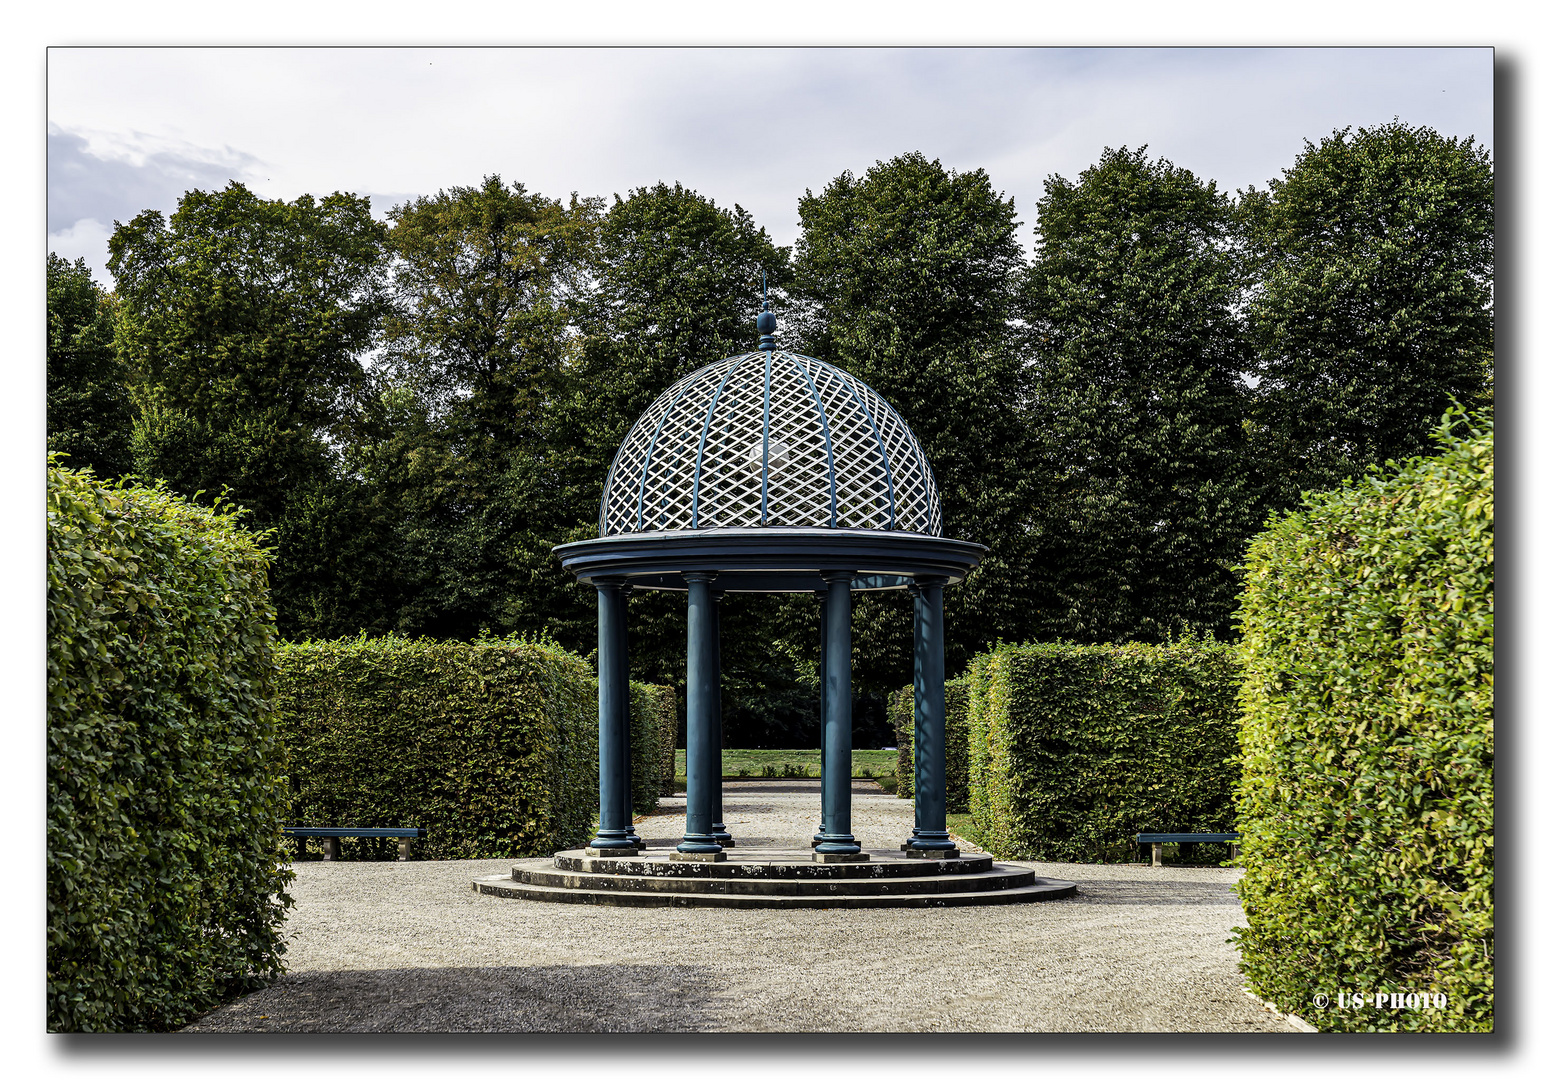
420	408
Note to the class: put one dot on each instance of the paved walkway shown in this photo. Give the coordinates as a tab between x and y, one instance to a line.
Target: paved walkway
384	946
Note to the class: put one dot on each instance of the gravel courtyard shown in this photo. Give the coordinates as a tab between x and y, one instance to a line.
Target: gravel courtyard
384	946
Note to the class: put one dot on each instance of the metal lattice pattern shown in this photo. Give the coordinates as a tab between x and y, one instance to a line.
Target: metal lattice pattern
770	439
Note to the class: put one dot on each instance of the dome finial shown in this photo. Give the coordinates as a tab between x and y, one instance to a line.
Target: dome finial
766	323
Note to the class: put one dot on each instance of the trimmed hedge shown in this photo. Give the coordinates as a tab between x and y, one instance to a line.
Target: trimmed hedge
490	745
1366	797
901	714
1075	748
654	720
165	886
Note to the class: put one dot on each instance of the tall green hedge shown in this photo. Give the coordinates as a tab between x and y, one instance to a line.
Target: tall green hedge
1366	797
654	720
490	745
901	714
165	887
1075	748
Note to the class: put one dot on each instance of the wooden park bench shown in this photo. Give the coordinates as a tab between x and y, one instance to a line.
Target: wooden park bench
1156	839
331	839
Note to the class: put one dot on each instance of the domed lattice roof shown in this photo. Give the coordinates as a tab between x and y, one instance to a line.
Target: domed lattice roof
771	439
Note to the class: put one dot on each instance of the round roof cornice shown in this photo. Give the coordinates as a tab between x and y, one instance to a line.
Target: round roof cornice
771	559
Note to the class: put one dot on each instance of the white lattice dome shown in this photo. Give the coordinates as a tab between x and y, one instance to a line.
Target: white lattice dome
771	439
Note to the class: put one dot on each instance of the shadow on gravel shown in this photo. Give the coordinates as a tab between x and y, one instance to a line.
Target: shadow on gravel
1134	892
637	997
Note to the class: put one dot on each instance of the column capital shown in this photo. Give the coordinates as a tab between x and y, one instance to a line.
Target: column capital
833	576
926	581
693	576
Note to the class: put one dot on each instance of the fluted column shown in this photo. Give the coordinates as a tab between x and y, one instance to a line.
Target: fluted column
698	842
838	844
614	694
930	839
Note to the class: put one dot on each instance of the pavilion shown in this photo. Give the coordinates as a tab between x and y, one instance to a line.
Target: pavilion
769	472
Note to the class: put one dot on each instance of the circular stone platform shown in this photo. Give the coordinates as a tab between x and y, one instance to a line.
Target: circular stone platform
774	879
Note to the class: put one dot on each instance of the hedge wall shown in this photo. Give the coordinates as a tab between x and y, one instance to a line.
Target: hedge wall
165	887
491	745
901	714
1075	748
654	719
1366	795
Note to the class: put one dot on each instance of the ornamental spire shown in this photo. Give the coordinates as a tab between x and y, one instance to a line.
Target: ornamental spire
766	323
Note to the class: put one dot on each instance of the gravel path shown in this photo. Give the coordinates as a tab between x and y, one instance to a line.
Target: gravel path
384	946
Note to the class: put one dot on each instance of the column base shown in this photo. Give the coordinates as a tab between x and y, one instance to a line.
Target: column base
931	853
928	840
609	852
839	856
612	840
697	856
839	845
721	834
636	841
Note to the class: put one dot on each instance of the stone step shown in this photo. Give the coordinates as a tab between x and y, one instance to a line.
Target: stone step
1041	889
773	864
1000	877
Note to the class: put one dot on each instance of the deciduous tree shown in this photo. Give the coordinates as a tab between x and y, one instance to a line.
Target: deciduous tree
909	273
1135	392
89	414
1372	307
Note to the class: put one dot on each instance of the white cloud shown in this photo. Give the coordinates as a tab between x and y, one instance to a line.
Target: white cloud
755	127
85	239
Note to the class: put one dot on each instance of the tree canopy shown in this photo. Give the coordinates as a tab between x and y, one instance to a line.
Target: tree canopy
1372	303
421	407
89	414
1134	391
908	274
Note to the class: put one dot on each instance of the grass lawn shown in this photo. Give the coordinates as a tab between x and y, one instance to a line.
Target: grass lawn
963	825
787	764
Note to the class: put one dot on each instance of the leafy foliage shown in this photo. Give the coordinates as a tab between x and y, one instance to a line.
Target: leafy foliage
1366	793
1075	748
243	321
654	726
89	415
165	792
901	714
907	274
1145	496
491	745
1373	259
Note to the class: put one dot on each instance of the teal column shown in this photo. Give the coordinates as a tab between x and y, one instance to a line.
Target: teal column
631	829
614	694
823	598
836	786
698	838
719	827
930	742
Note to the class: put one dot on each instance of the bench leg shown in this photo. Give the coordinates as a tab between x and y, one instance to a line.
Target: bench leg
1233	852
404	849
331	848
1155	855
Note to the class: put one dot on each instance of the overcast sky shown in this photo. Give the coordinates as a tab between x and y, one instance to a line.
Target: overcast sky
131	129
